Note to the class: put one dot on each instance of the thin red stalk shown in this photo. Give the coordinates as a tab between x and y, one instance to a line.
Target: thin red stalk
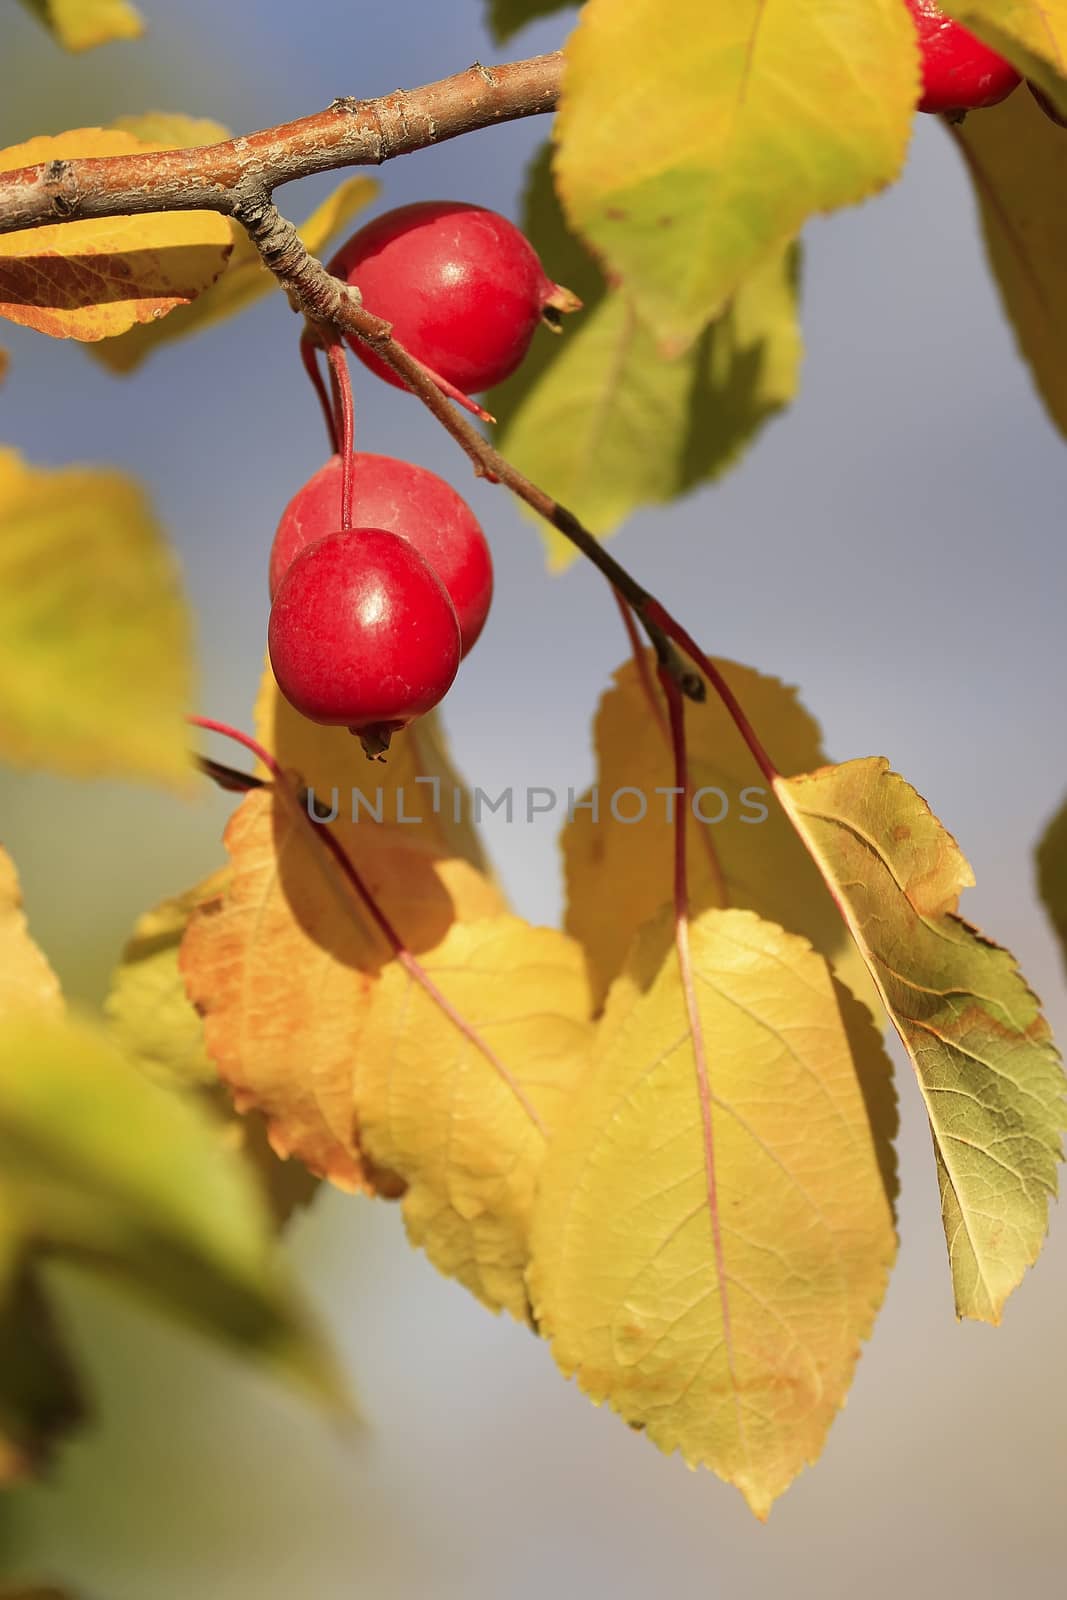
353	878
674	630
676	713
345	414
640	656
641	663
309	355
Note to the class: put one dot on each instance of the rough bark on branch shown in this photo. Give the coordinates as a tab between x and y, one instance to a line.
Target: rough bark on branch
348	133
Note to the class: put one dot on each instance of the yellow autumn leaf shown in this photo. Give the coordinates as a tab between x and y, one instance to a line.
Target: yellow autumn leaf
84	24
464	1114
284	969
619	864
709	1248
1031	33
93	279
695	140
984	1059
26	978
1017	159
95	669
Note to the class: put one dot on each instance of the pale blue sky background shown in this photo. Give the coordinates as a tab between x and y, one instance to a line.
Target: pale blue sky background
895	547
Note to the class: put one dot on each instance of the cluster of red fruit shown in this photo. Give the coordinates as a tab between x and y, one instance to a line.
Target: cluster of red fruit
960	73
371	615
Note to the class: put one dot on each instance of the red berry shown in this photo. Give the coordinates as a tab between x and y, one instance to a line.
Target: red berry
462	287
960	73
362	632
402	499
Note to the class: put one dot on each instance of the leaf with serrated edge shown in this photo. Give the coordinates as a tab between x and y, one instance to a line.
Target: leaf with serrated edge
96	278
95	668
285	967
26	978
83	24
984	1059
605	424
1052	874
618	874
741	1370
1031	33
465	1121
244	281
100	1165
1017	159
694	141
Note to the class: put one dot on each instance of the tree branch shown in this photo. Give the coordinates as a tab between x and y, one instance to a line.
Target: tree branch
348	133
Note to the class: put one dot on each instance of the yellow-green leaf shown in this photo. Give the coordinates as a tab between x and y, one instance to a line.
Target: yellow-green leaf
710	1248
1052	874
26	978
465	1120
1017	159
604	422
94	279
244	281
101	1166
695	140
619	865
985	1062
1031	33
506	17
95	669
159	1028
84	24
150	1014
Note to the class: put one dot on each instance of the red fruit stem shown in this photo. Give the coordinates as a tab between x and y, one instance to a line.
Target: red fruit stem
345	425
309	355
287	790
676	714
675	631
641	662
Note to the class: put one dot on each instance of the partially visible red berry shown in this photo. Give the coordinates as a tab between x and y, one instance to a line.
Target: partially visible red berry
960	73
402	499
463	289
362	633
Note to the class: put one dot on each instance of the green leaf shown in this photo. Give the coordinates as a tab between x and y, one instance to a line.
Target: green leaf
695	140
83	24
1031	33
1017	159
95	668
244	281
101	1166
1052	874
604	422
984	1058
506	17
